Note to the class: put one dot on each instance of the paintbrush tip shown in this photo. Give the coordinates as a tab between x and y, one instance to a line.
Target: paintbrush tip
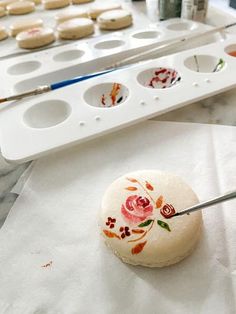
2	100
175	215
231	25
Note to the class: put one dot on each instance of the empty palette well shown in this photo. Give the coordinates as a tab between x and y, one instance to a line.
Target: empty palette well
146	35
68	55
182	26
47	114
109	44
24	67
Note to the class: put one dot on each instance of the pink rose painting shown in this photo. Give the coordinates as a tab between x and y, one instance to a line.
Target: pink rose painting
136	209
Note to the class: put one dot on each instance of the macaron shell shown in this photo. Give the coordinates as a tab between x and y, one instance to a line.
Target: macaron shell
75	28
81	1
115	19
2	12
55	4
21	7
97	9
151	240
3	33
35	38
70	14
5	3
24	25
36	2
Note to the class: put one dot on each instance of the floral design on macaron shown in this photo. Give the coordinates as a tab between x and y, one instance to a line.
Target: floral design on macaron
167	211
136	209
139	212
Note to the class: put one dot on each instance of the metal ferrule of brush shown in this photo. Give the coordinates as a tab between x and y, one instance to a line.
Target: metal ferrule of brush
37	91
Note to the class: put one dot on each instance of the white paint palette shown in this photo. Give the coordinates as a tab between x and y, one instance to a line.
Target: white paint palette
79	58
36	126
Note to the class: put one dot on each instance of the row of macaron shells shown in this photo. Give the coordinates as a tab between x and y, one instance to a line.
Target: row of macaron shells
18	7
21	7
75	12
73	29
72	25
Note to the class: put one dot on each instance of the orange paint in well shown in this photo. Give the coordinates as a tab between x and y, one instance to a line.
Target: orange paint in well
232	53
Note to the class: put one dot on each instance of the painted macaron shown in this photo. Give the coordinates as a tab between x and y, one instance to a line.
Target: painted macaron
135	218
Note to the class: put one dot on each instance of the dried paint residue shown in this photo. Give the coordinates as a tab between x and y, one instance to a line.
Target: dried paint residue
114	93
112	98
164	78
232	53
34	31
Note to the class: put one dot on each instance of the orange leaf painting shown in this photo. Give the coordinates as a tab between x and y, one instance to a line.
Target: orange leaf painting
138	231
159	202
138	248
132	180
149	186
110	234
131	188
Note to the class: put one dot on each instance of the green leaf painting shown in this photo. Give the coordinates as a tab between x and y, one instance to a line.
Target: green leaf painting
163	224
145	223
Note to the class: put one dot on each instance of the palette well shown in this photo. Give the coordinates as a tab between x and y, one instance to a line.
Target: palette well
77	113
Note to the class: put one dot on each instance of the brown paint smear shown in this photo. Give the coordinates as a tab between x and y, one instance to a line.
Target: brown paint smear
47	265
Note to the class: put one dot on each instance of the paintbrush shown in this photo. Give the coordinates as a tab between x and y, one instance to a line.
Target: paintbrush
130	60
54	86
172	44
220	199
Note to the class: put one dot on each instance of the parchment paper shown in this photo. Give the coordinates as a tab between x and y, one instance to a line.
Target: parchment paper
52	259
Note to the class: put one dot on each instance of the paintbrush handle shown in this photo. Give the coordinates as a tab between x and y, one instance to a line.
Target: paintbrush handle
79	79
220	199
172	44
